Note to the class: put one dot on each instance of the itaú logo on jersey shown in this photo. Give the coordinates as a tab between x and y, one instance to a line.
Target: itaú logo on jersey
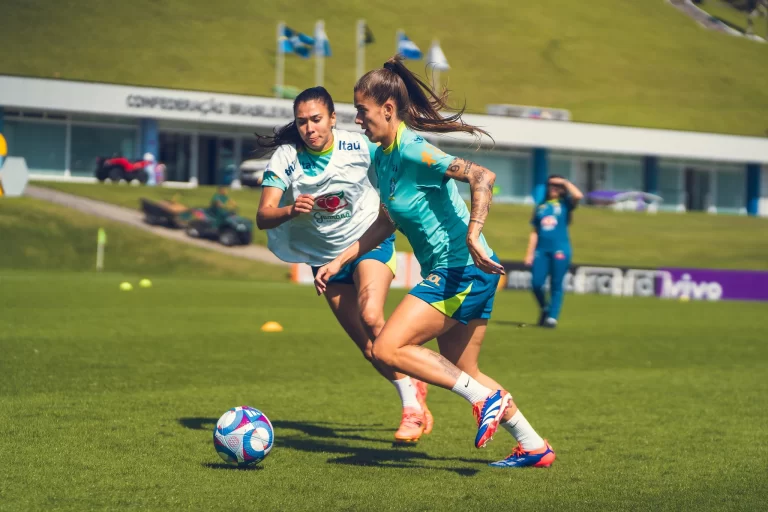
331	204
548	223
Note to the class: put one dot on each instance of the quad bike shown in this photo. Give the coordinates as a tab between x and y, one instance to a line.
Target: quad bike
120	168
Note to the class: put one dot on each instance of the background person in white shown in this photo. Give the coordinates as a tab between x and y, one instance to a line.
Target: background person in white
317	199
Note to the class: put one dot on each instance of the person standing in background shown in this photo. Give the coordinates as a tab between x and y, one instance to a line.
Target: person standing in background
549	246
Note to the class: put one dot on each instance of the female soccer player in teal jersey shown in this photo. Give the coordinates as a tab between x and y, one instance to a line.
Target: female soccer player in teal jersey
549	246
317	199
417	185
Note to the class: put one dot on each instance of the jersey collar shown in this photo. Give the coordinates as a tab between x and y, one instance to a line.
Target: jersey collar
400	130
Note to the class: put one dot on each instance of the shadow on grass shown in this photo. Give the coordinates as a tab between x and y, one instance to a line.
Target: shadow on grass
513	323
333	438
229	467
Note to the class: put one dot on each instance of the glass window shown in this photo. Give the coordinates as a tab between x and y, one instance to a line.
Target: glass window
512	172
41	144
627	176
730	191
561	166
89	143
175	151
669	185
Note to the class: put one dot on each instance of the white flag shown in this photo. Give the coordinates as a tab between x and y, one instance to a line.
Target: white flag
436	58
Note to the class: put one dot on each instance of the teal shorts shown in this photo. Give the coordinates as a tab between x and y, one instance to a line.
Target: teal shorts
462	293
385	253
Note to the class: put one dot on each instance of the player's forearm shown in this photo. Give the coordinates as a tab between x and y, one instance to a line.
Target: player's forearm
379	231
481	189
271	217
573	191
533	239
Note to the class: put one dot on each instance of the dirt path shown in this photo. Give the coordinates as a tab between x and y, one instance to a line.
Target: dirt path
136	219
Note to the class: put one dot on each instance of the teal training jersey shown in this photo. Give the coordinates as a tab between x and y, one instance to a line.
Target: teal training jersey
550	220
312	162
423	203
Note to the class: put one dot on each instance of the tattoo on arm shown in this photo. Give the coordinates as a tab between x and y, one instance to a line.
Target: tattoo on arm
480	181
448	367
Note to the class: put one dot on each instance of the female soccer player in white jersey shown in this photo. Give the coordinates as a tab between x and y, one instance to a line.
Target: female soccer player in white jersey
453	303
317	199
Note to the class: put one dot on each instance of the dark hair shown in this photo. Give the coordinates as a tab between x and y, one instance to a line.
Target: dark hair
563	196
417	104
289	134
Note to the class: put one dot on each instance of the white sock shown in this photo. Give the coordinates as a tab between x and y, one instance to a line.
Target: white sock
519	427
407	392
471	390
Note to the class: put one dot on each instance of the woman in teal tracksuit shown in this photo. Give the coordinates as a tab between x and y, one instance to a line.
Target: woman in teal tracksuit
549	246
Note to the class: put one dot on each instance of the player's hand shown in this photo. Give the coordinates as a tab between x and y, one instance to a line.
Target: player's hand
303	204
557	181
481	259
324	274
528	260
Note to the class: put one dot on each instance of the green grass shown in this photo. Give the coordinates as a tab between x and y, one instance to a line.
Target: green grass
626	62
599	236
108	399
734	17
36	235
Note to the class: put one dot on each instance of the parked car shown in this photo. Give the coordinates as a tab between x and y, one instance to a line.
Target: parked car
252	172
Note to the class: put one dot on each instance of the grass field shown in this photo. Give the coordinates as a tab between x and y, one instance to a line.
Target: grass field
35	235
628	63
108	400
599	236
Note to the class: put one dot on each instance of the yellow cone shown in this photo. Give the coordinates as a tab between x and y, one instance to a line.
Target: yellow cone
126	286
145	283
272	327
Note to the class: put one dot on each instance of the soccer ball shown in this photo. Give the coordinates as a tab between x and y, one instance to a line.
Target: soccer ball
243	436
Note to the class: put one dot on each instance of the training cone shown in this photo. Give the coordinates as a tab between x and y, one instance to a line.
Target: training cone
145	283
272	327
126	286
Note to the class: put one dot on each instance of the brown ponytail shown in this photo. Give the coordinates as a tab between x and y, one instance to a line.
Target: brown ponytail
417	104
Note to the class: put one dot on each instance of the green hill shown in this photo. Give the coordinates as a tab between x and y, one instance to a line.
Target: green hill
630	63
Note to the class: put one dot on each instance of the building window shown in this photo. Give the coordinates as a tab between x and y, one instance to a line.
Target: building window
512	173
41	144
90	143
730	186
669	186
627	176
175	153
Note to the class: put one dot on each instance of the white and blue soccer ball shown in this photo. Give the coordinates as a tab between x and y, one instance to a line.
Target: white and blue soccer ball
243	436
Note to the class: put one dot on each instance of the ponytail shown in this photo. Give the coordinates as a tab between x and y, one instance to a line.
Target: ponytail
418	105
289	133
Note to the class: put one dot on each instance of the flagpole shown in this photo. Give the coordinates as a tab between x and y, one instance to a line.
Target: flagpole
279	61
319	53
360	41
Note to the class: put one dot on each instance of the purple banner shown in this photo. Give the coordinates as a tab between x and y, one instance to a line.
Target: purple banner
709	284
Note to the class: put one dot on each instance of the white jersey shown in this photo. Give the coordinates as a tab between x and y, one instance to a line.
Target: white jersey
346	203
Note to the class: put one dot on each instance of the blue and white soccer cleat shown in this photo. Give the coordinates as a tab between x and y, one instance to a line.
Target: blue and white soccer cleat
488	414
519	458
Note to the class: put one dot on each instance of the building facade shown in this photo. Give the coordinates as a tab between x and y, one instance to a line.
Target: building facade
61	127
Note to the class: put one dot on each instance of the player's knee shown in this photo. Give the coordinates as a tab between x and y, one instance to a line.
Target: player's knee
383	354
372	317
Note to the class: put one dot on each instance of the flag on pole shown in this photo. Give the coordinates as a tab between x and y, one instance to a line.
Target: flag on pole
296	42
321	43
436	58
101	238
407	48
367	35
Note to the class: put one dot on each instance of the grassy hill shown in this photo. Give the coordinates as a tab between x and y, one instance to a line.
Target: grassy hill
620	62
38	236
599	236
